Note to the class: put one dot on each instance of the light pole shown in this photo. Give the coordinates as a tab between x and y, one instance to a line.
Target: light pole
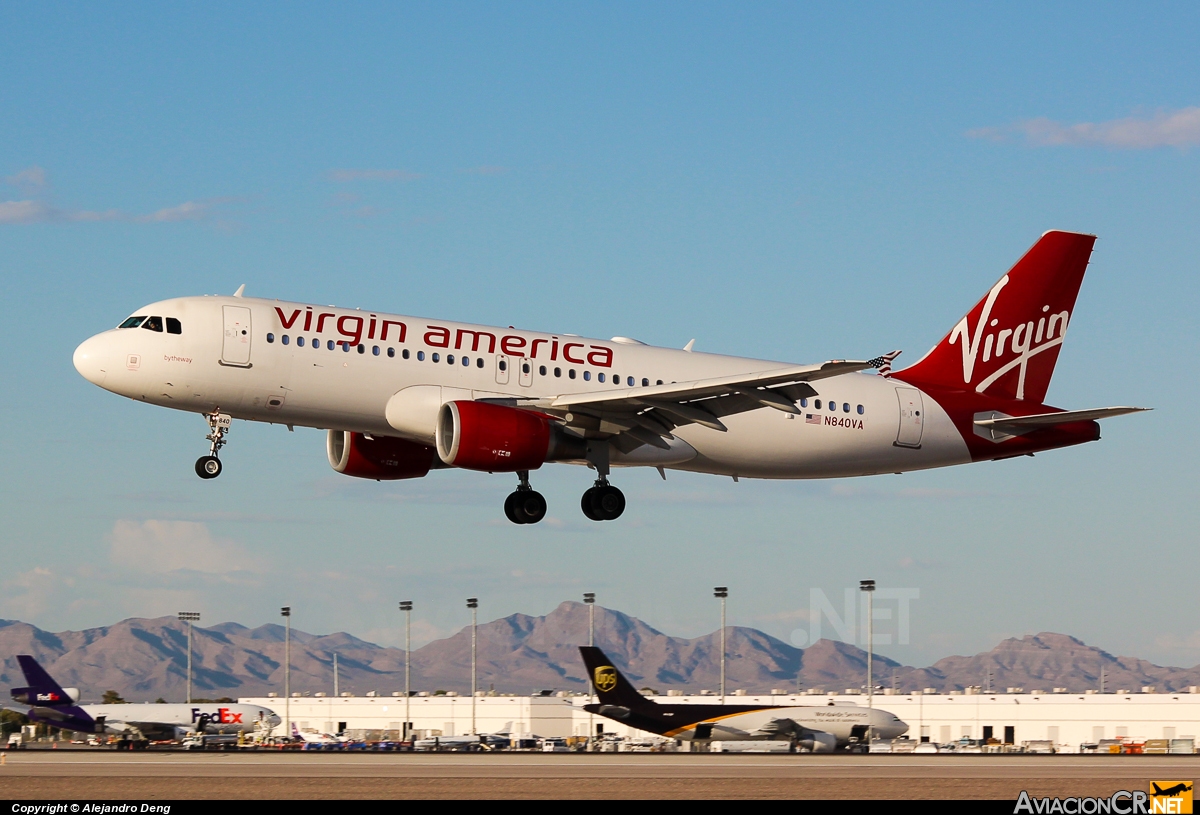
286	613
721	592
473	604
189	617
869	587
406	607
589	599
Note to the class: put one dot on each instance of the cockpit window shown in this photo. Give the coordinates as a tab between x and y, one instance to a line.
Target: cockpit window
153	324
132	322
174	326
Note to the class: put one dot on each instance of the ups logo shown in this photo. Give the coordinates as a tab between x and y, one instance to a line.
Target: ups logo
606	678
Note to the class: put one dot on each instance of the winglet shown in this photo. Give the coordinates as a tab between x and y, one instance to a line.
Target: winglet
691	343
241	289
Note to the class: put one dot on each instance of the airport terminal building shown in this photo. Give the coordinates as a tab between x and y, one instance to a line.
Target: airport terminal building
1067	720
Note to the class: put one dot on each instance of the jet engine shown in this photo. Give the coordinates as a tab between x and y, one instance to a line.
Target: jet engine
817	741
501	439
380	457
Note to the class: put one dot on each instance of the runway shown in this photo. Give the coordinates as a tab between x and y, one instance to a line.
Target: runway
178	775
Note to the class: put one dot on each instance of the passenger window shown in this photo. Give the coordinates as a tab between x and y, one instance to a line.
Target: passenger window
449	359
861	410
629	382
817	404
391	353
525	368
284	339
466	362
845	407
804	402
833	405
600	377
541	370
558	371
270	337
362	349
436	357
375	350
503	365
174	326
300	341
479	362
659	382
587	376
571	373
421	356
404	353
153	324
345	346
132	322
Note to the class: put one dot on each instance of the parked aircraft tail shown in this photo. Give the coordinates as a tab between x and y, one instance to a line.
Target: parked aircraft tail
43	691
612	688
1007	345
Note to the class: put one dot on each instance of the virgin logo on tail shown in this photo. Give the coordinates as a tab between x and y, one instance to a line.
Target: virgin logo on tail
1024	341
1007	345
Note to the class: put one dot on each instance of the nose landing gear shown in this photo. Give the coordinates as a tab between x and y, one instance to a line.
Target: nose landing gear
218	424
525	505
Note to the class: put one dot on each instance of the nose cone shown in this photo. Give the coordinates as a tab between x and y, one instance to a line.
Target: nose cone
89	360
273	720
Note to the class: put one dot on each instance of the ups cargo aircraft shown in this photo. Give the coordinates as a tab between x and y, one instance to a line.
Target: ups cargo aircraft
401	395
817	728
54	705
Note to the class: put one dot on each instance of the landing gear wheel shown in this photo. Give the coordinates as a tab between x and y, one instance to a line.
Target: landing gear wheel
525	507
586	505
208	466
603	503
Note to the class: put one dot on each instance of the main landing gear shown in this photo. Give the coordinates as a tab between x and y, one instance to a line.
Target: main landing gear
525	505
218	424
603	502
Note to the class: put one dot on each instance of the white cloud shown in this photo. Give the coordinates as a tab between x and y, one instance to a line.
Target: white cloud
159	547
187	211
343	176
1178	128
32	212
28	594
30	178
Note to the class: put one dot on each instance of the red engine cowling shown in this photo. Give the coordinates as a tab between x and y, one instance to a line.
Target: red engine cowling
380	457
500	439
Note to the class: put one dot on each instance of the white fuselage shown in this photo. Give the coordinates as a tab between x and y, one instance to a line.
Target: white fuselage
270	361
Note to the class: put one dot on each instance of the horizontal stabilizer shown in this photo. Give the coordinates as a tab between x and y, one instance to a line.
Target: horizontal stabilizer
1051	419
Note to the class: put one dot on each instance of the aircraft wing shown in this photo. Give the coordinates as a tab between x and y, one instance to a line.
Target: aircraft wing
648	414
1027	423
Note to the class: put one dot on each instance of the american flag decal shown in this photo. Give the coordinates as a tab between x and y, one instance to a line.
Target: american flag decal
884	362
811	419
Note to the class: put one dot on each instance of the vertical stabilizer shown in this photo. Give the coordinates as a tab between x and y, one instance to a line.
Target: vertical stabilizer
611	686
1007	345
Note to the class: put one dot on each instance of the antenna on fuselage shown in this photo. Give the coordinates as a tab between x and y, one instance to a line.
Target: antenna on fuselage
241	289
688	347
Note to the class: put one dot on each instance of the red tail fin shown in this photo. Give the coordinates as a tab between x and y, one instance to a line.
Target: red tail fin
1007	345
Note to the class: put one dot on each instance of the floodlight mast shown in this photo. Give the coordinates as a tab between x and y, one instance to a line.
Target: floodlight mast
189	617
406	606
869	587
722	592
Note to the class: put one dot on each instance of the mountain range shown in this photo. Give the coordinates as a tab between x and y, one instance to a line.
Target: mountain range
144	659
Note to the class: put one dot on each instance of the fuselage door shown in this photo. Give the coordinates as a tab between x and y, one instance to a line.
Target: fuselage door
235	349
526	377
502	365
912	421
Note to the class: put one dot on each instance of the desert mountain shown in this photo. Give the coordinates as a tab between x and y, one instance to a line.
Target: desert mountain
146	658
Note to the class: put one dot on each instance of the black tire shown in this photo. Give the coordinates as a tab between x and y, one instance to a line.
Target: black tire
585	504
531	506
510	508
609	503
208	467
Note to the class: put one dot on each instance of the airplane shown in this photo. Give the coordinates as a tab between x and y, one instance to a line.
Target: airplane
400	396
483	741
1170	792
54	705
815	728
315	738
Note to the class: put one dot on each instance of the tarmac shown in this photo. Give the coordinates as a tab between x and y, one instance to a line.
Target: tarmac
109	775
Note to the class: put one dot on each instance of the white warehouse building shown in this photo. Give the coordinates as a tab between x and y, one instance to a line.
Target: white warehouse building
1066	719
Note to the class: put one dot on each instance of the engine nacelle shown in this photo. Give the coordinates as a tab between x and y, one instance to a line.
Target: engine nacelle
501	439
380	457
817	741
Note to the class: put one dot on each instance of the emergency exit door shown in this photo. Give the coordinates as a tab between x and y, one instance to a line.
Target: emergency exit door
235	348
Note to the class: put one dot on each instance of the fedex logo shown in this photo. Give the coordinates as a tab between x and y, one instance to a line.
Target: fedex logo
224	716
1021	342
49	697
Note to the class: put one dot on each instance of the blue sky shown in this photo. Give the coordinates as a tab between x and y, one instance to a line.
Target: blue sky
777	180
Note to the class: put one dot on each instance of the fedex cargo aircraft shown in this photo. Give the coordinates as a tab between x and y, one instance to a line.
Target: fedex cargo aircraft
401	395
54	705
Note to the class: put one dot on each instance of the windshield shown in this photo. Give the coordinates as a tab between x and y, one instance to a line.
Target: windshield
132	322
